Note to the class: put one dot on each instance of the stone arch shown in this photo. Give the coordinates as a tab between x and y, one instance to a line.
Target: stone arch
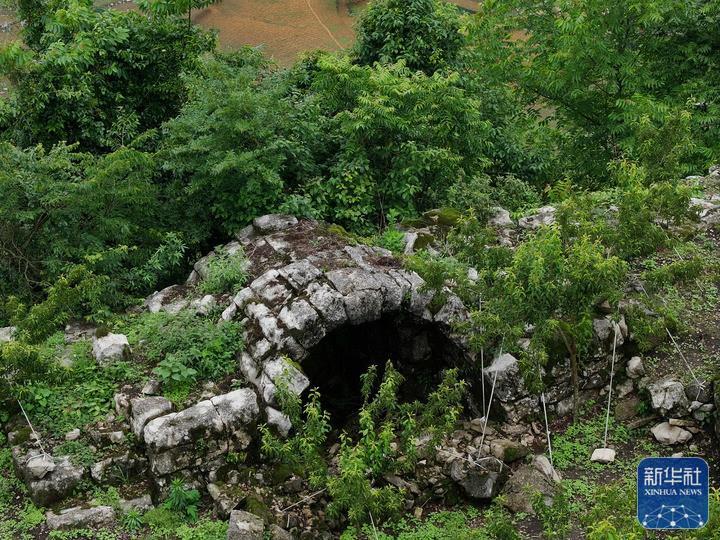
309	280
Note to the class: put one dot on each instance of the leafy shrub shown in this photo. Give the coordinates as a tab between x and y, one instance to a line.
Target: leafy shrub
555	518
383	422
183	501
226	273
82	394
425	34
184	346
304	450
79	453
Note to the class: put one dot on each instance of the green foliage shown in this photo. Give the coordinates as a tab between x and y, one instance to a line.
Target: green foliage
451	525
98	77
184	346
573	447
388	432
226	273
132	521
392	239
182	501
304	451
555	518
79	452
482	195
65	215
76	396
621	79
424	34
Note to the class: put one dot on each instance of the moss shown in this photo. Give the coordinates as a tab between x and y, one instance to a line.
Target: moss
340	231
448	217
22	435
280	473
256	505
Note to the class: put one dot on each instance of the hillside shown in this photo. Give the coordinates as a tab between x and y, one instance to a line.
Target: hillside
447	283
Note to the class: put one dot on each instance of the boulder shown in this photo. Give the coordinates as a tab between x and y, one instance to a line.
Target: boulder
508	451
81	518
544	216
667	396
668	434
635	368
508	385
273	223
202	432
7	333
144	409
54	485
170	300
245	526
701	391
280	421
73	435
39	465
140	504
278	533
204	305
226	498
603	455
528	480
480	480
110	348
281	369
501	218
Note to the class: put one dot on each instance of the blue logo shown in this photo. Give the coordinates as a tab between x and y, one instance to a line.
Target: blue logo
673	493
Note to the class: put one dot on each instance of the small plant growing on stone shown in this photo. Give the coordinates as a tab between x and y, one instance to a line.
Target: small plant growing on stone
304	451
132	521
183	501
387	443
226	272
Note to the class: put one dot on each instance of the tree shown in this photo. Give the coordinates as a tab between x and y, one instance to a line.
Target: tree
610	72
425	34
98	77
554	287
165	8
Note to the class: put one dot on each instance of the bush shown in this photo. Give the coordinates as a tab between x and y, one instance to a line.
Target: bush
425	34
362	462
226	273
184	346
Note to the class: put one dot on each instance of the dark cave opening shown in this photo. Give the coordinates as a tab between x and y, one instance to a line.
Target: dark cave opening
417	349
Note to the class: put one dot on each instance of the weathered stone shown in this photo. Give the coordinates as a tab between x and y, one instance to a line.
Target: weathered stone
54	485
226	498
667	396
140	504
501	218
273	223
504	372
329	303
635	368
245	526
300	318
151	388
603	455
281	422
701	391
201	432
480	480
271	288
170	300
73	435
667	434
39	465
81	518
145	409
204	305
278	533
508	451
537	477
300	274
110	348
281	369
627	408
544	216
7	333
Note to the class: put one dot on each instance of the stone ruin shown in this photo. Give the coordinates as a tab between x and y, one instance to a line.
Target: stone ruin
318	310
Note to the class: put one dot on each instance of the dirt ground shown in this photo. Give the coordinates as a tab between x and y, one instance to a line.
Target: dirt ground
282	28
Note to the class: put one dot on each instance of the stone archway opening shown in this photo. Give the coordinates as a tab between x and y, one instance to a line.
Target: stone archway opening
418	349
